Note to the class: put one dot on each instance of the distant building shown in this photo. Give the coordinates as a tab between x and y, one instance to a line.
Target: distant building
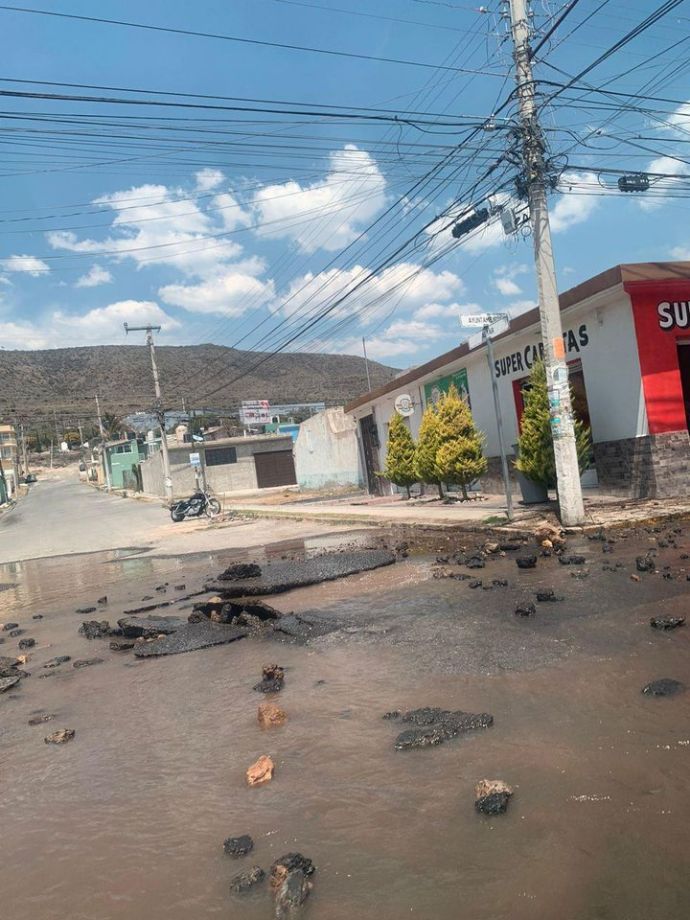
227	465
123	458
9	455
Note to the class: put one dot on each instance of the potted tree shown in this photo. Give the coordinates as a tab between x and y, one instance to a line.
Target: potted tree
535	462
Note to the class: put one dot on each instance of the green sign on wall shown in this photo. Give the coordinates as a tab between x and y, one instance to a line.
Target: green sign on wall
433	390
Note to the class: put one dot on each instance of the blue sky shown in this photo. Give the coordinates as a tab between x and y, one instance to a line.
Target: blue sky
238	228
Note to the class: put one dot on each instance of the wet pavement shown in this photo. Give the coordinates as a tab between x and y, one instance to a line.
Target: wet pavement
128	819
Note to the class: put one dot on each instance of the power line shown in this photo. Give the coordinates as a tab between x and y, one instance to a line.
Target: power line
240	40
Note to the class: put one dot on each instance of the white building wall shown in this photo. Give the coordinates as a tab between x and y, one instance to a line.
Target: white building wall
603	339
326	451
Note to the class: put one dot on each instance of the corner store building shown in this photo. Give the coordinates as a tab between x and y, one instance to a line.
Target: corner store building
627	341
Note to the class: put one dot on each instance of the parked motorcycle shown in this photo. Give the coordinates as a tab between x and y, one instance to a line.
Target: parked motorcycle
197	504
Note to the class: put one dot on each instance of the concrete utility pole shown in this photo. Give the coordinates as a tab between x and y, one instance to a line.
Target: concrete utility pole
25	460
160	411
562	426
104	455
486	333
366	363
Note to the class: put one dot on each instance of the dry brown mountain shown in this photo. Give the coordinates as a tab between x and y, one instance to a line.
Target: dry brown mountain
66	379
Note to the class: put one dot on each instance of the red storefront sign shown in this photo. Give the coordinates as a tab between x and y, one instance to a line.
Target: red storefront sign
661	313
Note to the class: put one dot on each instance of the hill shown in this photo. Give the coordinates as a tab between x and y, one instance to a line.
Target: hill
64	380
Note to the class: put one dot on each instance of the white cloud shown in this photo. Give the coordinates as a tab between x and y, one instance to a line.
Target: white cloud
573	208
403	284
679	120
328	214
682	253
414	329
229	294
507	287
95	276
99	326
521	306
163	230
666	165
25	264
207	178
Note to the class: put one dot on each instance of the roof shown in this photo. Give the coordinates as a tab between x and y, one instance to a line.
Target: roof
626	273
226	442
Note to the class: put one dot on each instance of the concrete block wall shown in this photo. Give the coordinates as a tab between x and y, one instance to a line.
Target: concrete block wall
654	466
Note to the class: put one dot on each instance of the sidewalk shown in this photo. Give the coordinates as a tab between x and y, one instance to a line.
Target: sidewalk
602	511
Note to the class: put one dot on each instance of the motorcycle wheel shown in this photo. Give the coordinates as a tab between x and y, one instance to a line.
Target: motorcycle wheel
213	507
176	514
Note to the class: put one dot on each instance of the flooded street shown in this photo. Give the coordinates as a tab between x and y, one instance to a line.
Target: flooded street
128	819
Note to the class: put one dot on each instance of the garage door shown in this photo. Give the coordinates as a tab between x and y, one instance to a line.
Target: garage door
275	468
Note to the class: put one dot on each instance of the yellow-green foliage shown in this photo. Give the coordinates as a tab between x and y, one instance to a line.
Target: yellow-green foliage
536	458
459	457
400	454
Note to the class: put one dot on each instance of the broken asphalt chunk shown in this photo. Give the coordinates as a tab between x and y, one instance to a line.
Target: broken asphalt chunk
247	880
665	686
666	622
434	726
238	846
526	562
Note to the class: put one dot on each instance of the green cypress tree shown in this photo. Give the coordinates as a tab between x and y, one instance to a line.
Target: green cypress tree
536	459
459	457
400	454
427	446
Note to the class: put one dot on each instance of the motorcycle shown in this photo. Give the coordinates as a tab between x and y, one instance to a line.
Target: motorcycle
197	504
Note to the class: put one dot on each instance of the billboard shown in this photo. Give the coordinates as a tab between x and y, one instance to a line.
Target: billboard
255	412
433	390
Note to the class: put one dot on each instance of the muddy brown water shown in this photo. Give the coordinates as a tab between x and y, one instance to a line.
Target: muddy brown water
127	821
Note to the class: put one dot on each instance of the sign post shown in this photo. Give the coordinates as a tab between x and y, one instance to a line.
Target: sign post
494	324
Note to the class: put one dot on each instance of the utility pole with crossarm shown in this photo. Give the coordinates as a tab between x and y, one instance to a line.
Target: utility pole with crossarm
160	411
572	510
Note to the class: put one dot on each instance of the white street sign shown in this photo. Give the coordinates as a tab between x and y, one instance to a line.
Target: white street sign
481	319
195	459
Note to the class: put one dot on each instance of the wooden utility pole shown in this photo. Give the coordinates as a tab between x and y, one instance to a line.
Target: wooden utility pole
572	509
160	411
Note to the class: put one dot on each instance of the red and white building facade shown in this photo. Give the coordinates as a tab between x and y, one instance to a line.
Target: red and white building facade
627	342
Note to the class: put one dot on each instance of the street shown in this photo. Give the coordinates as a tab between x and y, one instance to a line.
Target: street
66	517
128	818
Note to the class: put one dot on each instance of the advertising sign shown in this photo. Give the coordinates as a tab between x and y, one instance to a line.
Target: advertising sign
404	405
255	412
434	390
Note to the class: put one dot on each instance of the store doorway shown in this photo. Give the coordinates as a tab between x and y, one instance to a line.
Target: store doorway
684	368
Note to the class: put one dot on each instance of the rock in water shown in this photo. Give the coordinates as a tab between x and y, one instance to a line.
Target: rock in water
86	662
94	629
437	725
656	623
525	610
271	716
291	862
246	880
271	679
26	643
6	683
571	560
666	686
238	846
645	563
240	571
40	719
102	600
292	894
548	596
491	796
475	562
57	661
8	626
85	610
261	772
62	736
526	562
122	645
